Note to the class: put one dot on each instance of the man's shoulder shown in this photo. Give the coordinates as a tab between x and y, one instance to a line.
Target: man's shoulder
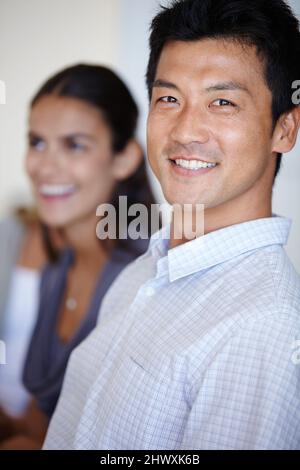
268	287
260	309
263	285
276	280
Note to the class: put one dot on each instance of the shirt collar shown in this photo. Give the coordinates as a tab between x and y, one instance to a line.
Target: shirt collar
218	246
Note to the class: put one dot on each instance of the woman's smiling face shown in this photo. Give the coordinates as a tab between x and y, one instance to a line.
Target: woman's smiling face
69	159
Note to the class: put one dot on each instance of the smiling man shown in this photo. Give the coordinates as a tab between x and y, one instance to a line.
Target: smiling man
194	349
209	130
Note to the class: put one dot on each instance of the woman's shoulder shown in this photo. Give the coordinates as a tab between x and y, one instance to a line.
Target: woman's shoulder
11	228
17	224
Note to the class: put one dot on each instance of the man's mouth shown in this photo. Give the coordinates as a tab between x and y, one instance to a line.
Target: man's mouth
193	164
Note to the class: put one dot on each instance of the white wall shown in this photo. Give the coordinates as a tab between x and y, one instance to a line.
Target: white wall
37	37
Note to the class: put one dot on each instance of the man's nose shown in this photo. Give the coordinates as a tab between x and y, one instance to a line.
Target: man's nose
190	126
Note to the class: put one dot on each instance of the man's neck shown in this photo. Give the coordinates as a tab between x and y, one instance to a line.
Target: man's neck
223	216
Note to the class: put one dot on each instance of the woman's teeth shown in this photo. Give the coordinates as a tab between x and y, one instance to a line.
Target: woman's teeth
57	189
194	164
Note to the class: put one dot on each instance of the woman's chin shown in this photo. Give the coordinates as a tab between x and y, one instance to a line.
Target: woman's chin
55	222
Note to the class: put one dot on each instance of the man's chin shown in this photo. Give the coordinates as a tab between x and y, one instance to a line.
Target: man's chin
188	201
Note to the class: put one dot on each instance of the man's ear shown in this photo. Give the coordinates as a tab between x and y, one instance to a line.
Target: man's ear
126	162
286	131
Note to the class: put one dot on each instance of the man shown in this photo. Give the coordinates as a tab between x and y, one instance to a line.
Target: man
195	345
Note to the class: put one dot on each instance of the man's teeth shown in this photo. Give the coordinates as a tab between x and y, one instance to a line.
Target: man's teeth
57	189
194	164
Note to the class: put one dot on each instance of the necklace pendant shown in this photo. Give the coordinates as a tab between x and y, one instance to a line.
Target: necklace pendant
71	303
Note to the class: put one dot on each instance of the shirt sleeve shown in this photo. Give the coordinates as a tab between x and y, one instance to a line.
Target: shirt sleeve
249	396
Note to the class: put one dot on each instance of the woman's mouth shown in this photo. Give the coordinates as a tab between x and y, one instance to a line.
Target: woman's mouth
56	191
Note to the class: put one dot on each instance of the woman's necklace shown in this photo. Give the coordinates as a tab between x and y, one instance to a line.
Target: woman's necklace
74	284
71	303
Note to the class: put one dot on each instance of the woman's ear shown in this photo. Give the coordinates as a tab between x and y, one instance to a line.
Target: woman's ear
125	163
286	131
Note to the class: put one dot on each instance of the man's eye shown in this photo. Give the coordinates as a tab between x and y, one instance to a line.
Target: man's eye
222	103
168	99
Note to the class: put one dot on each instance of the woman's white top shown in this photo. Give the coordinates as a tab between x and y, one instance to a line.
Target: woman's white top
20	316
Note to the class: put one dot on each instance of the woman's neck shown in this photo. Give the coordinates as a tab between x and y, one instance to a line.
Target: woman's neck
81	237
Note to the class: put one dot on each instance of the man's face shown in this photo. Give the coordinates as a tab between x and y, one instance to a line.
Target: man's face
210	123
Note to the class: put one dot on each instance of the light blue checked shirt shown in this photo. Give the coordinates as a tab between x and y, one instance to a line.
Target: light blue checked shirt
195	349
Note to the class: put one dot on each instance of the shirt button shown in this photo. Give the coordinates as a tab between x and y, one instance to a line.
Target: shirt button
150	291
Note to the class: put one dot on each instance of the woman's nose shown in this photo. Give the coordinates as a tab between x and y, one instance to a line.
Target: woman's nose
51	162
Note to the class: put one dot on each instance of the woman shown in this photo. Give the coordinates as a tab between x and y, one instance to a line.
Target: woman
82	152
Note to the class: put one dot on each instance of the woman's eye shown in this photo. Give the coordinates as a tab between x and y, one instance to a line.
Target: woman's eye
76	146
222	103
37	144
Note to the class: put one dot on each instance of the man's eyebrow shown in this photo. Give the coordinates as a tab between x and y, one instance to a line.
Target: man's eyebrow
164	84
231	85
220	86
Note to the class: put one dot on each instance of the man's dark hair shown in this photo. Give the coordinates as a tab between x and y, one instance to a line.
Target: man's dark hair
270	25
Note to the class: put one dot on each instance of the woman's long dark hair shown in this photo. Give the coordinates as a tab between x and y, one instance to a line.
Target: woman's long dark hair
103	89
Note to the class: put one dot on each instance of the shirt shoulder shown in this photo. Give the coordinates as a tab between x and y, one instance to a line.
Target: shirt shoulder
255	297
260	284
